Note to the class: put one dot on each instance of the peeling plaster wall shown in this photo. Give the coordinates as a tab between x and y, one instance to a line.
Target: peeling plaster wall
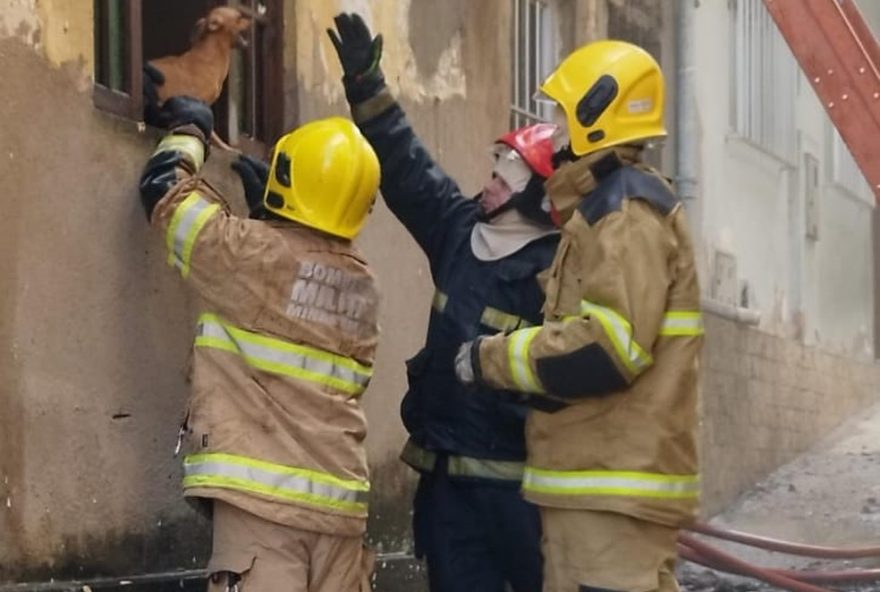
59	29
94	340
95	329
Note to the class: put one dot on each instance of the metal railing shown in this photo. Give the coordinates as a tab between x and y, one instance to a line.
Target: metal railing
533	53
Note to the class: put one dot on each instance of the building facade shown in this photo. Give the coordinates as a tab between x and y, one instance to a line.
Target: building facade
95	330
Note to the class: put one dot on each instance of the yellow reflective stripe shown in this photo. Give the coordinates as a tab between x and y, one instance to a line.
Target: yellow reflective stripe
682	323
282	357
273	480
502	321
190	146
462	466
186	223
619	331
613	483
518	358
440	300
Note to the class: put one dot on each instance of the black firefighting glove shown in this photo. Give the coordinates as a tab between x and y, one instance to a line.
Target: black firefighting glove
360	54
182	110
153	78
254	175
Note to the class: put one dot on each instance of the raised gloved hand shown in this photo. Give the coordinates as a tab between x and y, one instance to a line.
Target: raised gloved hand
466	368
153	78
179	111
359	53
254	175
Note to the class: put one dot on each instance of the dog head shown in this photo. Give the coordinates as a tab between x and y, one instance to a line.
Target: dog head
224	21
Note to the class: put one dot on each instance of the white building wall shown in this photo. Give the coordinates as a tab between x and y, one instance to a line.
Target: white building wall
753	205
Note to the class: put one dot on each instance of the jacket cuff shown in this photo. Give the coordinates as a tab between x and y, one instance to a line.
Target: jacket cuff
189	142
373	107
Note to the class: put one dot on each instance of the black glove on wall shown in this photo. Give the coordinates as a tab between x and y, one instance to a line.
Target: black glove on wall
359	53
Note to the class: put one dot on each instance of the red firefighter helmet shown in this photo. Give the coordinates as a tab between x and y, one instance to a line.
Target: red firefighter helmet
533	143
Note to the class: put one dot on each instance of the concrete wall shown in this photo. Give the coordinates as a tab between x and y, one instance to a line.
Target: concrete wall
94	338
766	399
751	204
95	329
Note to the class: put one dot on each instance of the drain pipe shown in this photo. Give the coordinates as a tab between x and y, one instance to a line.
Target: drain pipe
686	144
745	316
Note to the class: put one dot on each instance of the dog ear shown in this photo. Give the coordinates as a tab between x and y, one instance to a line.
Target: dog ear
199	31
215	23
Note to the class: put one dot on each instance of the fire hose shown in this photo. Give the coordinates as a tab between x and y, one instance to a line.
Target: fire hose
784	546
701	553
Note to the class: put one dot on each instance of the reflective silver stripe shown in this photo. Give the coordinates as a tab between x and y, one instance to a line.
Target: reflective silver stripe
682	323
188	219
611	483
417	457
190	146
500	470
282	357
440	300
462	466
502	321
619	332
276	481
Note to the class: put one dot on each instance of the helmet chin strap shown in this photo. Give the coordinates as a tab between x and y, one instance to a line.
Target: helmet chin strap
563	155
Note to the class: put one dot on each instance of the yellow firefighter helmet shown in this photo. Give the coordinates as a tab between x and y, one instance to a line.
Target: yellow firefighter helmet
324	175
611	93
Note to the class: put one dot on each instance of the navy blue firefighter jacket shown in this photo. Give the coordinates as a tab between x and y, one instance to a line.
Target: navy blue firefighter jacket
472	298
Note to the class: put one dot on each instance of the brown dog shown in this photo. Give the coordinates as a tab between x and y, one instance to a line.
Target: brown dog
200	71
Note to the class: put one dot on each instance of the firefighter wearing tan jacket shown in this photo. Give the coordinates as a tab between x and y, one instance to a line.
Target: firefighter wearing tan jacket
615	471
284	347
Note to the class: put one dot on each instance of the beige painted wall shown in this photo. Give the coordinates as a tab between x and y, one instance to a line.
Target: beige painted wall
95	329
93	326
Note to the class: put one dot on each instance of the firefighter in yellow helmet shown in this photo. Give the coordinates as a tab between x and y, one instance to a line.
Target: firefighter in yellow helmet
274	433
615	471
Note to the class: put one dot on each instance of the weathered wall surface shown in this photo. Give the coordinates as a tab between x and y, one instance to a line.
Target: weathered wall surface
95	329
767	399
752	204
94	338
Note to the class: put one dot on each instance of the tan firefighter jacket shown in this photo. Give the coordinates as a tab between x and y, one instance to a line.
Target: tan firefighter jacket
620	344
283	350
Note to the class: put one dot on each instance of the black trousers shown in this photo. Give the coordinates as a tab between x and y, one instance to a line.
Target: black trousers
477	536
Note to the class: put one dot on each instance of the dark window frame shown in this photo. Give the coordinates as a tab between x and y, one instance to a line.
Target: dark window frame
267	118
264	59
126	103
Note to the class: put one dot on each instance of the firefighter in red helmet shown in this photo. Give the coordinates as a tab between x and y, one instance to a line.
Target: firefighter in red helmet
470	521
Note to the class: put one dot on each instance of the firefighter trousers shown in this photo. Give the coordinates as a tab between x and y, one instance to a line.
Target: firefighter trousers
254	555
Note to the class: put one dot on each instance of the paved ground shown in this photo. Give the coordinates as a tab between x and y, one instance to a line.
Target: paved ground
829	496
